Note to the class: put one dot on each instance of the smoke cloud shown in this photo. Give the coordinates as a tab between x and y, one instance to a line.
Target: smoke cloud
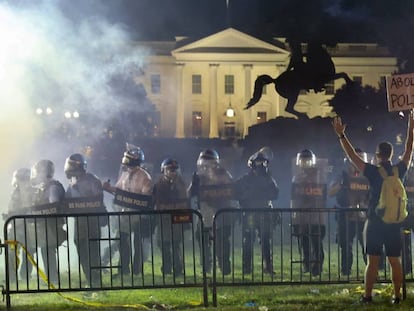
48	60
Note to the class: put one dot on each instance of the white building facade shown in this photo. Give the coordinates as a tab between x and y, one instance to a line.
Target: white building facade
193	83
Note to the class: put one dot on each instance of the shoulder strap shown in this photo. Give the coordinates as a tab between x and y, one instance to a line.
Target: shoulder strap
395	171
382	172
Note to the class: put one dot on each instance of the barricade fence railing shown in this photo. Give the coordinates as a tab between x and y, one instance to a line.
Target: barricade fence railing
284	246
103	251
173	249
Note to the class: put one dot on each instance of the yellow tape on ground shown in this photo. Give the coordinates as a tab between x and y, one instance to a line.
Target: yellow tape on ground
43	276
388	290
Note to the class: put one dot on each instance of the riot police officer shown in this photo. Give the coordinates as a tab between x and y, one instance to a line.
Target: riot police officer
257	189
134	185
47	199
85	188
309	192
351	189
19	204
170	193
211	176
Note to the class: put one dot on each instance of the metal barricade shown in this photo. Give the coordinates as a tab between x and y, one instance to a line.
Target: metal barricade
104	251
266	247
173	249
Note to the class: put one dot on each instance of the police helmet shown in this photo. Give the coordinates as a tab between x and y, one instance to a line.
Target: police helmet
169	165
133	156
42	171
75	165
20	176
208	158
209	154
258	159
305	159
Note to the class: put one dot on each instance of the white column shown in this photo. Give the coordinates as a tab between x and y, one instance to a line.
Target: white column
213	102
247	120
180	111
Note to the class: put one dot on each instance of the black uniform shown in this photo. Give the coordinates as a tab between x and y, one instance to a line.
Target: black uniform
49	233
353	193
170	193
257	191
88	229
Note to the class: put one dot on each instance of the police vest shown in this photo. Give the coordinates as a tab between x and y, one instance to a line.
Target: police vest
216	192
358	190
309	195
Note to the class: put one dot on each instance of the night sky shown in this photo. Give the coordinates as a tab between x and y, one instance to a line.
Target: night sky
164	19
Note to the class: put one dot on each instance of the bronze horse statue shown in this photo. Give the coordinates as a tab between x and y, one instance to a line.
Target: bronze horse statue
312	74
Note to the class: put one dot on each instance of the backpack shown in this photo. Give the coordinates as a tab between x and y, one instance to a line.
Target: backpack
392	205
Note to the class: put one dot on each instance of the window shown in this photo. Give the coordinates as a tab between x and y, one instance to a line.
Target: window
357	79
228	84
155	84
197	123
229	129
196	84
261	117
330	88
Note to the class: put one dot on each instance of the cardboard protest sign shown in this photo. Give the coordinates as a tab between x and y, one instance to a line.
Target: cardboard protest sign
400	92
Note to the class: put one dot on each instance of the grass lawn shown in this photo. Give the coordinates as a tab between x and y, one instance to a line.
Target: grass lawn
302	297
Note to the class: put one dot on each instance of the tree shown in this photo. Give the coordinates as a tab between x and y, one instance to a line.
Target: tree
364	110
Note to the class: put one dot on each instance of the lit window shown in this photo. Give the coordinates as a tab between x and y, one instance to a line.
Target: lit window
229	84
196	84
261	117
155	84
197	123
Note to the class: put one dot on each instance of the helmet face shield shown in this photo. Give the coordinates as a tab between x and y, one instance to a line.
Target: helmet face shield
206	164
42	171
75	165
171	171
133	156
21	177
306	162
306	159
207	160
170	168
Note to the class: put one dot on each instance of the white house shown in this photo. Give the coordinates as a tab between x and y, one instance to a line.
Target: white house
193	82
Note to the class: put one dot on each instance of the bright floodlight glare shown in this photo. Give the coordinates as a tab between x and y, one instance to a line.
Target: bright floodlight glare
230	112
76	114
39	111
49	110
68	115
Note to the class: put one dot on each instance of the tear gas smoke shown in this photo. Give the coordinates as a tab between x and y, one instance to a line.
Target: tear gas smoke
51	63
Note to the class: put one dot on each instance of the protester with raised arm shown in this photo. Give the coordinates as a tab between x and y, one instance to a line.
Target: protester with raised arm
377	232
